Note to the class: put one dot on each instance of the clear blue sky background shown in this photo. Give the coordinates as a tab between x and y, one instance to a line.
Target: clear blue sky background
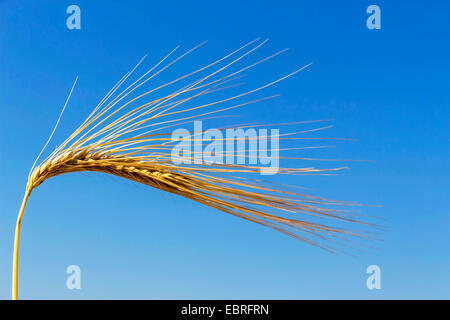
388	89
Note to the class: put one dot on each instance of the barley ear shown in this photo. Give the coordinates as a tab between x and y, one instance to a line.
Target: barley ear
125	138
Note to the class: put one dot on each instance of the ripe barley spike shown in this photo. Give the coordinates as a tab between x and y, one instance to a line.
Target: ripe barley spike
128	134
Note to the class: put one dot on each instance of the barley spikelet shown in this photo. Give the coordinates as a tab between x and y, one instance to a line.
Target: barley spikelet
129	137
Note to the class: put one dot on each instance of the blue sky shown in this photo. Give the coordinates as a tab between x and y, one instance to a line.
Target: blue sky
387	89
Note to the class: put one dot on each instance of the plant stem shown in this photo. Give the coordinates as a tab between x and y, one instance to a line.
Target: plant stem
16	247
